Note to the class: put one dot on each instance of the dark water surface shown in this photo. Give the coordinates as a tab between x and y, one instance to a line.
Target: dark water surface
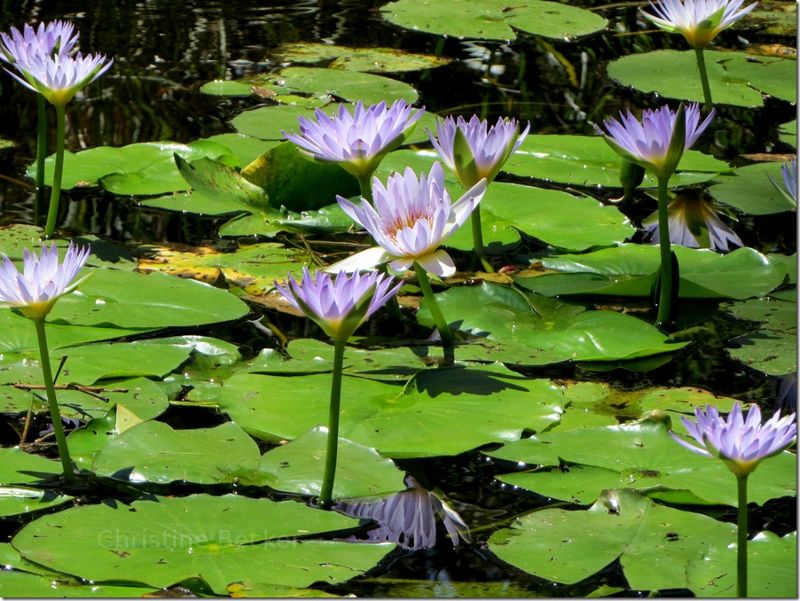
164	50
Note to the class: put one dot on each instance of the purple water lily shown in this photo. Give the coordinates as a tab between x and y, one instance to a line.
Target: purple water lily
55	37
59	77
693	223
742	443
699	21
339	304
43	279
357	141
411	218
487	148
789	173
649	142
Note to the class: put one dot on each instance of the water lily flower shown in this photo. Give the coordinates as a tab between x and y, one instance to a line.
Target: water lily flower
699	21
55	37
42	281
357	141
409	518
480	150
789	173
339	304
693	223
33	292
410	219
742	443
655	142
59	77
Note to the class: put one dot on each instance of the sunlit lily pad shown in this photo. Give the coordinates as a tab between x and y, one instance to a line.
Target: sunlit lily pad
269	122
788	133
142	168
298	466
25	584
630	270
772	347
553	216
319	85
735	77
154	452
493	19
523	329
638	455
374	60
750	190
590	161
221	539
655	545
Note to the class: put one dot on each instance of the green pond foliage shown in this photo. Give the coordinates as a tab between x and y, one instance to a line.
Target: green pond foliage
145	337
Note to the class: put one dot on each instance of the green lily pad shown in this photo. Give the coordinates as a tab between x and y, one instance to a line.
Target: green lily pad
370	60
18	500
143	168
556	217
293	181
134	300
444	412
656	545
23	584
735	78
245	148
630	270
213	179
20	470
298	466
154	452
493	19
590	161
269	122
220	539
750	190
772	348
642	456
788	133
771	568
195	202
529	330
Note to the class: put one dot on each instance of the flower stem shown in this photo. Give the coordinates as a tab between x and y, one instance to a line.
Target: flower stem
701	66
665	288
477	239
55	192
741	547
433	306
41	149
365	185
55	415
333	425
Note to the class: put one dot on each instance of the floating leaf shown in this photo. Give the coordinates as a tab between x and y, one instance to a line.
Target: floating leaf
23	584
590	161
750	190
269	122
519	328
630	270
213	179
772	348
292	180
245	148
735	78
154	452
493	19
788	133
374	60
143	168
553	216
642	456
221	539
298	466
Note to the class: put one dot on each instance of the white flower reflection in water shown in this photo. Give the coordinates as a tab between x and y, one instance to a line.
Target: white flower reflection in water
409	517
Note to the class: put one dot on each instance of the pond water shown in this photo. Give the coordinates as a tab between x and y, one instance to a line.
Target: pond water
164	53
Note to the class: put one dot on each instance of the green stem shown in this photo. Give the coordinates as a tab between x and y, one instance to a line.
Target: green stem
55	192
477	238
433	306
52	402
665	288
41	150
333	425
701	66
365	185
741	547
